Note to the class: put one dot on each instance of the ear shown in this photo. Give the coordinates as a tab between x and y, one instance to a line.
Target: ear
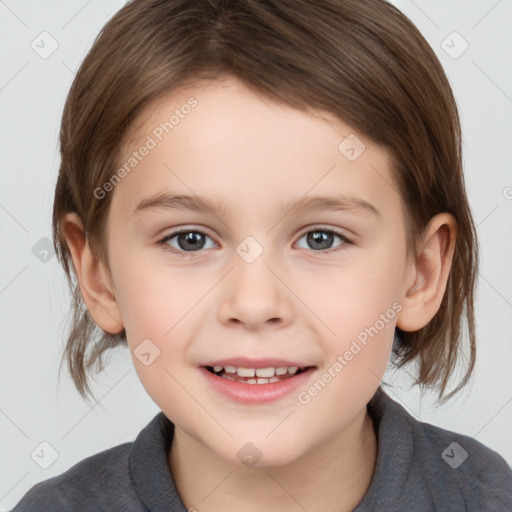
97	291
428	275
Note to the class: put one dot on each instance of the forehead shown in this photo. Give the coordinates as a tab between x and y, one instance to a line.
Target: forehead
220	139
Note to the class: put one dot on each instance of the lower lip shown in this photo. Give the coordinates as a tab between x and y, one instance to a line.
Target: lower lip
256	393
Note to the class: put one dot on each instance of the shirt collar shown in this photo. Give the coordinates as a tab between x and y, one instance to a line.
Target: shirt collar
395	436
149	470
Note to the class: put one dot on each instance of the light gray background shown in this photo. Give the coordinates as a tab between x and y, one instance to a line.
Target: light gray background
34	299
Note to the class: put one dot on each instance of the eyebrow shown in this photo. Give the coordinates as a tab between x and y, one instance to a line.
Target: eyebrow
167	201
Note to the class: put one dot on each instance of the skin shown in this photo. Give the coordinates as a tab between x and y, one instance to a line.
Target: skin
295	301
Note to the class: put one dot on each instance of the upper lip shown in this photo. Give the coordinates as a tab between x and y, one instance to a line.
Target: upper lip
245	362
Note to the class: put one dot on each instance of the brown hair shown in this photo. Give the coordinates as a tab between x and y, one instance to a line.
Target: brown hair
361	60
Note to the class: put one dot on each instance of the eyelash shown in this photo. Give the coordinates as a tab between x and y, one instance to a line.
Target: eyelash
188	254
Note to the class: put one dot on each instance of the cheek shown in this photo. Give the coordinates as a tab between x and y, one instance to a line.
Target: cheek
161	310
359	307
157	316
155	299
354	297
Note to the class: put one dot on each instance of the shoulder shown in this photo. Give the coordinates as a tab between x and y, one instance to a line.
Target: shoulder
456	461
90	485
444	469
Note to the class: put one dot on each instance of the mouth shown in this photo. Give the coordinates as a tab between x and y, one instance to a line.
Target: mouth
256	376
254	381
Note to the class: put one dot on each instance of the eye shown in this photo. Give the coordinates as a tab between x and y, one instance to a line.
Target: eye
322	239
187	241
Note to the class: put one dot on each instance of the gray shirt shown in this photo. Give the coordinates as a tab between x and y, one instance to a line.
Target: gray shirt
419	468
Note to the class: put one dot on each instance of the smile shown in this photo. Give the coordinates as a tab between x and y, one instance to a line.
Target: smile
255	375
256	385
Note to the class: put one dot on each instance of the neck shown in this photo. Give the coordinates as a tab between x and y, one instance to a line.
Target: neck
338	471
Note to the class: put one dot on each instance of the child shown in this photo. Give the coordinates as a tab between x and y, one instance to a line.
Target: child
264	201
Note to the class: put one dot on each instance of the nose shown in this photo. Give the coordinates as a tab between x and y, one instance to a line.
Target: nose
255	295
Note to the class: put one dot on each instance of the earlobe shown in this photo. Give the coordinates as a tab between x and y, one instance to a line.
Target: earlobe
96	289
429	274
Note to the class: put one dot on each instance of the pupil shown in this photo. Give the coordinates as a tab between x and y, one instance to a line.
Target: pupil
191	238
322	237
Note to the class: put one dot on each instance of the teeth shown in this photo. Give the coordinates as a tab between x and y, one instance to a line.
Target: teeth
265	372
246	372
259	380
261	374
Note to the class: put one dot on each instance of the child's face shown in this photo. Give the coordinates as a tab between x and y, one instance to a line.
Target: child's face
278	294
